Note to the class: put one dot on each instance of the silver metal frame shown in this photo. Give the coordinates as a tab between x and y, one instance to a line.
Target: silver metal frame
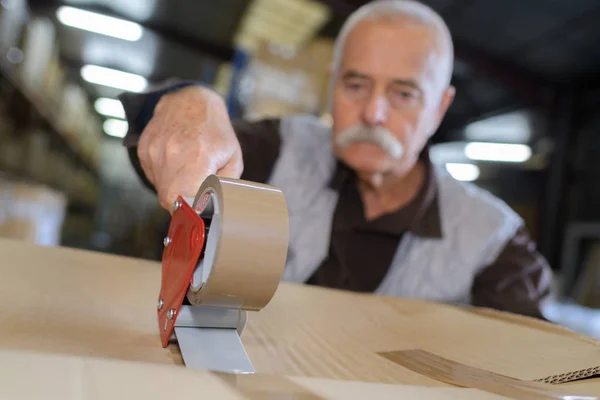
210	339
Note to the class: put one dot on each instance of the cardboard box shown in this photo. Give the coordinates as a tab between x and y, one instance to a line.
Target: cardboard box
277	84
29	375
88	306
30	212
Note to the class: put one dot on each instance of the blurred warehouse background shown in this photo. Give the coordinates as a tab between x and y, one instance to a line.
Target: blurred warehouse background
523	124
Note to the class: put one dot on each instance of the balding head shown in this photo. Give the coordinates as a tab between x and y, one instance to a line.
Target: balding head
401	10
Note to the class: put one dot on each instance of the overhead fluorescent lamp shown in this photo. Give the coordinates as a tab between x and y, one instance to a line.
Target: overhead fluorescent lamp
98	23
115	128
501	152
463	172
109	107
114	78
513	127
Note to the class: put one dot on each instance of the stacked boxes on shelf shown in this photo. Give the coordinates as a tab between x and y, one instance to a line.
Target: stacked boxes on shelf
281	80
56	136
31	212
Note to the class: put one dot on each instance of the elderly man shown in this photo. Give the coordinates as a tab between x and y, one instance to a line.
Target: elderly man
368	210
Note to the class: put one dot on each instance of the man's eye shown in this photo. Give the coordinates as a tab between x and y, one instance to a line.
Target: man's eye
355	86
406	94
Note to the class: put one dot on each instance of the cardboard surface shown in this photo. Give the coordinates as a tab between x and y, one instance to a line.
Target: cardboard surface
77	303
28	375
31	212
304	325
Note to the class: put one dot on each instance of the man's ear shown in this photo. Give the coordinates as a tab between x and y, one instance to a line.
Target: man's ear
446	102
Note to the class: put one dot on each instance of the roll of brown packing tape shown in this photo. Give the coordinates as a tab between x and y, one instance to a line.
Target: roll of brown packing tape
246	244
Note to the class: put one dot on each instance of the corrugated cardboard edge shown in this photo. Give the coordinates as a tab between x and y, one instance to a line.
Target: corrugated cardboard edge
571	376
548	327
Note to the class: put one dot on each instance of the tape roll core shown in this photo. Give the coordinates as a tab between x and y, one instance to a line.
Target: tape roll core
246	247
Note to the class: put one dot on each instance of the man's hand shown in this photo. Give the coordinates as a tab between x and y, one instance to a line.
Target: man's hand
189	138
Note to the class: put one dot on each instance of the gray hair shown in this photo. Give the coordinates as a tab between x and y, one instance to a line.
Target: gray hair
410	9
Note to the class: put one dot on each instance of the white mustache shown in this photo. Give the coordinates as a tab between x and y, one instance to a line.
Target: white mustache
377	135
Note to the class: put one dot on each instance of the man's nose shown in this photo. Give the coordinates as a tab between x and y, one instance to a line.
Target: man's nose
376	110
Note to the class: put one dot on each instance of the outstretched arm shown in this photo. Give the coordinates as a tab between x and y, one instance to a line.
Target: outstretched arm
180	133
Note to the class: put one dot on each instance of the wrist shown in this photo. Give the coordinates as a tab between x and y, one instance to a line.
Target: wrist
195	95
158	98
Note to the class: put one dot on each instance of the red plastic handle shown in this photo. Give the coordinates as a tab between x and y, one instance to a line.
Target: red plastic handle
183	247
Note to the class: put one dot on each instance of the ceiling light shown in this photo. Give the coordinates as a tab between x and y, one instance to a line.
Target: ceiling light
109	107
513	127
115	128
98	23
463	172
113	78
503	152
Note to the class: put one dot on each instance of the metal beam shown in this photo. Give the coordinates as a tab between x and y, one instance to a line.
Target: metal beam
561	117
166	32
571	27
524	85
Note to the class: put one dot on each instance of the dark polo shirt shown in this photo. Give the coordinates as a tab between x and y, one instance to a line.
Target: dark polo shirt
361	250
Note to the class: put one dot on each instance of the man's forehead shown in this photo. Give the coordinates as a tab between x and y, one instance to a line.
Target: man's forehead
392	49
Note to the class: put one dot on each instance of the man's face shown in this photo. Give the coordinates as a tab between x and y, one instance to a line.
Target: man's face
390	80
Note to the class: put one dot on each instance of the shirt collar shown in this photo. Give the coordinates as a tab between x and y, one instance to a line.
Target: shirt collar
421	216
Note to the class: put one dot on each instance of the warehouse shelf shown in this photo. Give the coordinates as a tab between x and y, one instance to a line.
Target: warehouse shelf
45	113
82	200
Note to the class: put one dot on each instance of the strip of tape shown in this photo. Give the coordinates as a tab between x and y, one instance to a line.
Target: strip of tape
462	375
